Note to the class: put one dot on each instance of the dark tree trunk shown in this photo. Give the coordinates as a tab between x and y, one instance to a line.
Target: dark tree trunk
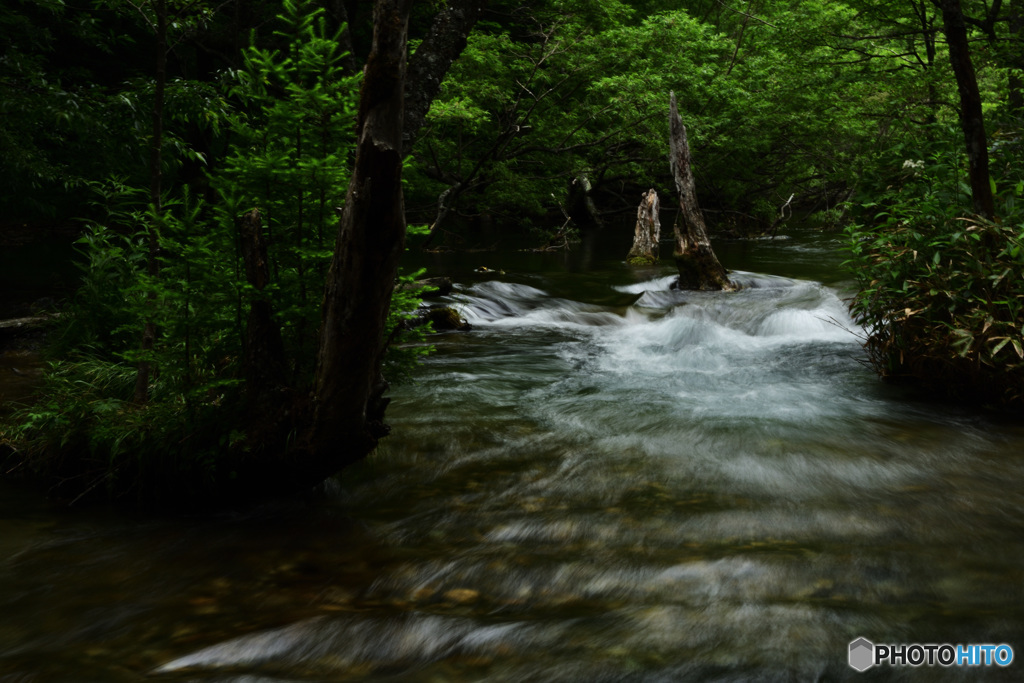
647	232
265	366
432	59
582	208
927	22
340	15
699	268
1015	97
347	398
340	421
427	69
972	121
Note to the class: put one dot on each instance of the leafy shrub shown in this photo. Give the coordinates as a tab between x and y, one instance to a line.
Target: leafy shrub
941	293
292	134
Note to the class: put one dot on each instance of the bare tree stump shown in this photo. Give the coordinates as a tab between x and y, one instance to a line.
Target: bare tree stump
581	204
648	231
699	268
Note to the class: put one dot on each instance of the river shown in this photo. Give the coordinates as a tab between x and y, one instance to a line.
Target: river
606	480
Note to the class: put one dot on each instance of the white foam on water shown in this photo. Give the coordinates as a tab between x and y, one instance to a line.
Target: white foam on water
506	304
661	284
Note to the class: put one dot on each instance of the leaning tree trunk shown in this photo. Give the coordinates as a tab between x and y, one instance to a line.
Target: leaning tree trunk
972	121
347	398
648	231
310	435
699	268
442	45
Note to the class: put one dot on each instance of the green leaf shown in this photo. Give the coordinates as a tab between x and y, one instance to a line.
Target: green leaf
999	347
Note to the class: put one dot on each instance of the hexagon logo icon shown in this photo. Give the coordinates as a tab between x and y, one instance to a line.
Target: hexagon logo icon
862	654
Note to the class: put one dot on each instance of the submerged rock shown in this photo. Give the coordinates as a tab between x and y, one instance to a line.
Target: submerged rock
444	318
462	596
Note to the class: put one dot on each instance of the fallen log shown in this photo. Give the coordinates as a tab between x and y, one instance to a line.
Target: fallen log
30	322
17	331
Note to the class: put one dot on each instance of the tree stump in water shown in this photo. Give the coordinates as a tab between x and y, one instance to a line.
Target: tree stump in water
581	206
699	268
648	231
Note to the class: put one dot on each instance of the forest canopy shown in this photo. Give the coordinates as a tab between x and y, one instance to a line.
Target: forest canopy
812	99
161	124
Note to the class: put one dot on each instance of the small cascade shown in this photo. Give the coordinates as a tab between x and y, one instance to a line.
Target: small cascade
605	480
670	486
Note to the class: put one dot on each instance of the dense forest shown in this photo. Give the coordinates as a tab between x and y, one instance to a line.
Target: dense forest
241	176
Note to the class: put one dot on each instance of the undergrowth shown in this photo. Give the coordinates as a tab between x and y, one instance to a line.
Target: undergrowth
941	291
86	434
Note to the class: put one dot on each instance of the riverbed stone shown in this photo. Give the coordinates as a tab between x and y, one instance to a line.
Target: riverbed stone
462	596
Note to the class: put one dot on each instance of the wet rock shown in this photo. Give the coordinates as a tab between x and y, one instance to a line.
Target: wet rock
444	318
447	318
462	596
423	594
338	597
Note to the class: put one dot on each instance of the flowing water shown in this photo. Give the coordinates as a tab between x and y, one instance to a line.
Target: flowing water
606	480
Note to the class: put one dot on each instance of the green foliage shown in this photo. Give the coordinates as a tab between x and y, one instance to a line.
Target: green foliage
76	100
772	106
941	294
811	99
53	129
90	439
292	140
86	430
408	345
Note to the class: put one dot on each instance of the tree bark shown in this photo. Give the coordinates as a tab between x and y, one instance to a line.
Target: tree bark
581	206
340	15
265	366
698	266
347	397
1015	96
432	59
972	121
647	232
303	437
